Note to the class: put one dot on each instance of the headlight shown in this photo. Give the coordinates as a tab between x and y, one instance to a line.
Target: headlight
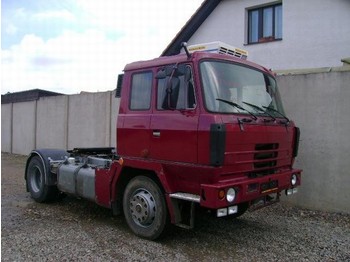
293	179
230	195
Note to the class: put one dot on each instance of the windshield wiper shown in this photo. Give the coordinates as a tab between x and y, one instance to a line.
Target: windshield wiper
258	108
237	106
282	115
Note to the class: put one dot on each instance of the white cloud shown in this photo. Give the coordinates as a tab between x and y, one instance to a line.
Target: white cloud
140	19
20	13
89	60
63	14
11	29
69	63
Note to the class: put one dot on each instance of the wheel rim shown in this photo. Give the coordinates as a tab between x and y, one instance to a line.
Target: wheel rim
36	179
142	207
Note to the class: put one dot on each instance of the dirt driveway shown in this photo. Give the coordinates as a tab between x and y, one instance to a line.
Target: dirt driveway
77	230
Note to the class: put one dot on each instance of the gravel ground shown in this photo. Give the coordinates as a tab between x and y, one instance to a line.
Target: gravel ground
77	230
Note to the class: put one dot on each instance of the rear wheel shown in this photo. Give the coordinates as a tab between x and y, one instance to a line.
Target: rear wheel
35	179
144	208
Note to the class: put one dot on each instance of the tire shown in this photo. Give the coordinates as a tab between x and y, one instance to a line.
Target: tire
35	179
144	208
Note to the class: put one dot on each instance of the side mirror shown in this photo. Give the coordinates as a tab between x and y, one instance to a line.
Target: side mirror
188	74
172	94
161	74
172	70
181	69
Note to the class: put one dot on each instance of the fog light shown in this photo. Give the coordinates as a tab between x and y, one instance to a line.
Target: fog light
293	179
232	210
221	212
230	195
289	192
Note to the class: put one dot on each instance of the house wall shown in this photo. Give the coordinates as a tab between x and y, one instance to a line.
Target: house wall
315	32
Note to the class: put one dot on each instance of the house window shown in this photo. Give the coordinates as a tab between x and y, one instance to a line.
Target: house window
265	24
141	87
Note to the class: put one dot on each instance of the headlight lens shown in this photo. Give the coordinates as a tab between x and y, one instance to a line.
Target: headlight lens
294	179
230	195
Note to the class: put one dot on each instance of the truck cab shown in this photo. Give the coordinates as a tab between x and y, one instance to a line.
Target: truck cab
210	120
205	128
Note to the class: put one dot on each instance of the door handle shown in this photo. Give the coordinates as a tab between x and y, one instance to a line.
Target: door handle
156	133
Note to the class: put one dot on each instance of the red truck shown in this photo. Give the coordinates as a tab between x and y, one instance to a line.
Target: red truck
204	128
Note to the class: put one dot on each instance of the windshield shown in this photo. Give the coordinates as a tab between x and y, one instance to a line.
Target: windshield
238	84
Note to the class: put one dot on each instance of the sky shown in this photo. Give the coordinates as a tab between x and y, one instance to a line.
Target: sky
69	46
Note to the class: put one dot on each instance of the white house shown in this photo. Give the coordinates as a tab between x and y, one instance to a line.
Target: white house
285	34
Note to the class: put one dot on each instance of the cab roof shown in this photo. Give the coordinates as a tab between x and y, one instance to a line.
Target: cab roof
195	57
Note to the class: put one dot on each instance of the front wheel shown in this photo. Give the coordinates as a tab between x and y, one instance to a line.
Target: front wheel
144	208
35	179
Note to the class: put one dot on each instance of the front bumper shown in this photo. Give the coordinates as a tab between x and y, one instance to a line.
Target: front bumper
247	189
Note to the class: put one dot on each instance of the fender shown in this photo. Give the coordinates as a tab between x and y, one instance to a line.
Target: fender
134	163
45	154
142	164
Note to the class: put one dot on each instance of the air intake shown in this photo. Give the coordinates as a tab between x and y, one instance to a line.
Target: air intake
265	155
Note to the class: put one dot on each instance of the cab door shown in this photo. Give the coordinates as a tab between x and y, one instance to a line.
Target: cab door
135	116
174	120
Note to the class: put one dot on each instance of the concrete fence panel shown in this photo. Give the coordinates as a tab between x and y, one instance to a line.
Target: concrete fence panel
52	122
6	127
24	127
89	120
320	105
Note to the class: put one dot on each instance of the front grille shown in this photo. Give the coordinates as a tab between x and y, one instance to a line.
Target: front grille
265	156
271	146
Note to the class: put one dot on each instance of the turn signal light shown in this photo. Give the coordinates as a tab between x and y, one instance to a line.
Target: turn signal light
221	194
121	161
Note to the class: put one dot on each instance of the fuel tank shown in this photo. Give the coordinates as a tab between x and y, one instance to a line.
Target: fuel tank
77	179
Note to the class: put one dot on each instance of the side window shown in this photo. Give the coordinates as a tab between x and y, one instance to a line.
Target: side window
176	91
141	86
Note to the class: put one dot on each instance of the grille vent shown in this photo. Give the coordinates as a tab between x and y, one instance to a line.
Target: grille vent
265	156
231	52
